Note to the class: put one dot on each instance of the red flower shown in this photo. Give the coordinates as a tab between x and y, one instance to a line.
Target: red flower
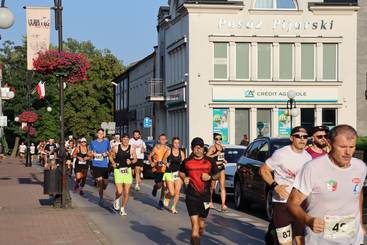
28	117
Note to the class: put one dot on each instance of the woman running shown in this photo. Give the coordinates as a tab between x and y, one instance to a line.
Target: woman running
80	154
122	158
173	159
216	152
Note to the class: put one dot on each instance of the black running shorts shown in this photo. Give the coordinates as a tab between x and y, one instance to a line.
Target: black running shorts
282	218
139	163
100	172
196	207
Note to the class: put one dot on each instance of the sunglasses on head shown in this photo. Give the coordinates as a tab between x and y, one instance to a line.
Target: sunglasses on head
218	138
321	136
300	136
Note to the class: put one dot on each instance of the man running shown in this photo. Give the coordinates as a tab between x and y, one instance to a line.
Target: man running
122	158
197	172
284	165
155	158
99	151
319	141
32	151
22	150
139	146
332	187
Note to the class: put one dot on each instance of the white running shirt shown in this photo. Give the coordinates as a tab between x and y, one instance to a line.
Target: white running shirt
333	194
22	148
139	147
285	163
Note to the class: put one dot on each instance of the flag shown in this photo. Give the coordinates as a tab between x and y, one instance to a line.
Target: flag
41	91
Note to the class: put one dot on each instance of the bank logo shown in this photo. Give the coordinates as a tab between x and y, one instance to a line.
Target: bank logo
250	93
331	185
357	185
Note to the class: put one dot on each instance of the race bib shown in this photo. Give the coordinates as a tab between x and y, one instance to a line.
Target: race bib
175	175
98	157
206	205
82	162
160	164
339	227
138	151
284	234
51	157
123	171
221	157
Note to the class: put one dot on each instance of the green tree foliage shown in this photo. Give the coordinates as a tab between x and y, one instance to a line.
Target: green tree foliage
87	104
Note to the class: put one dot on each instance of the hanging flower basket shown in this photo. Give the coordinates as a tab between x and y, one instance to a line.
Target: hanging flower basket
72	66
28	117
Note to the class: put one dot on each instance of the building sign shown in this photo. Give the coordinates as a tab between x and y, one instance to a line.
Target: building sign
285	25
220	123
176	96
284	127
274	94
38	32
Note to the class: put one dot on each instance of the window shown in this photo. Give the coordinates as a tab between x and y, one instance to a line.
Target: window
242	124
307	61
308	118
243	61
286	61
264	61
264	122
275	4
329	61
254	150
329	117
220	60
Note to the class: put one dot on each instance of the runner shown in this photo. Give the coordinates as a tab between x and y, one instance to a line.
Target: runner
122	158
216	151
32	151
99	151
22	150
139	147
115	141
332	187
173	159
69	155
284	165
155	158
319	141
80	154
51	151
41	152
197	172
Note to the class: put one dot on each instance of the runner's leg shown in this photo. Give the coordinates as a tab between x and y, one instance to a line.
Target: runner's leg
171	192
126	188
201	226
212	187
223	194
195	232
178	184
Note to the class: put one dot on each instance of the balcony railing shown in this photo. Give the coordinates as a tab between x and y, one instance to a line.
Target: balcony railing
156	90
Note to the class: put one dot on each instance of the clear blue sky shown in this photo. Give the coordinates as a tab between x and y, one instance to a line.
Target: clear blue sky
126	27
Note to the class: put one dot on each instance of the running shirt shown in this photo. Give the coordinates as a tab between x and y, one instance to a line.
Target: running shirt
333	194
80	153
32	149
285	163
22	148
198	190
158	156
51	148
139	147
100	148
313	153
174	162
122	156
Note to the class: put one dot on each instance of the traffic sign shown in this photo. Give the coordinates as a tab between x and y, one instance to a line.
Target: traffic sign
147	122
3	121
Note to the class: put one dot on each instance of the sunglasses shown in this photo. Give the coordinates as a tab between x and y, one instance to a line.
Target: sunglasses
218	138
321	136
297	136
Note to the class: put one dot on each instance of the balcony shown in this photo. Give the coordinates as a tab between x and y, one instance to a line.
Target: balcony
156	90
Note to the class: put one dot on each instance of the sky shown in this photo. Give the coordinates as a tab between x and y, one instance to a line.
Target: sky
126	27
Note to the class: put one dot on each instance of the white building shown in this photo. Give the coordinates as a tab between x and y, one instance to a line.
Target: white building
226	66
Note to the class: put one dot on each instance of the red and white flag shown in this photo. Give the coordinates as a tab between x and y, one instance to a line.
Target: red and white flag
41	91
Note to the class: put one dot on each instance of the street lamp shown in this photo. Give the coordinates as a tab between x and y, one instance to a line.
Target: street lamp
7	18
291	111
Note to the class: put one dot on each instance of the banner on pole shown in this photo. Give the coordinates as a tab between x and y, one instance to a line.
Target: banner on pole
38	32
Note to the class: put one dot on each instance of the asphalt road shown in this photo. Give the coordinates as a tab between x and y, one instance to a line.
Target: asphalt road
145	224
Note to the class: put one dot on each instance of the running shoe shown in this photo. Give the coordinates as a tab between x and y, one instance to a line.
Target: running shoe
166	202
116	204
160	204
154	192
224	208
137	188
122	212
173	210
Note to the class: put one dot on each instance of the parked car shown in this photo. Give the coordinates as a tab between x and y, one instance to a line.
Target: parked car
231	153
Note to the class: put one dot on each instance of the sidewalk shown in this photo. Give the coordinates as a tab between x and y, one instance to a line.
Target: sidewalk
25	214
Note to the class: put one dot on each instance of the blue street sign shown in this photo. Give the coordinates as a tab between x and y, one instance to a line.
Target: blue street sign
147	122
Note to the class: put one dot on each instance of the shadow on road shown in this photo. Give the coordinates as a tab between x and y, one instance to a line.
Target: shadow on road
153	233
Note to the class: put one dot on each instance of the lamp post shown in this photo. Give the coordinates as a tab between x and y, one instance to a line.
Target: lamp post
291	111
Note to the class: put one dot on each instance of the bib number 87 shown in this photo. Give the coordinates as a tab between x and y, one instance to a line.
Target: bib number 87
284	234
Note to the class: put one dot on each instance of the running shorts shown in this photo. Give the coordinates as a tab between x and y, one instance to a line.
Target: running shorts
100	172
139	163
123	176
197	207
167	177
286	226
158	177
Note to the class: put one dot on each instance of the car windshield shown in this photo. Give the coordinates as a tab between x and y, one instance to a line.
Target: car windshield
233	154
279	144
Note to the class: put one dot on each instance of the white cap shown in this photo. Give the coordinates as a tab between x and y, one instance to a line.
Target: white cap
83	140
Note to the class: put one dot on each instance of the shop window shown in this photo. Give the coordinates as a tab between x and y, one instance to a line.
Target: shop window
263	122
220	60
286	61
221	123
329	67
308	118
242	60
275	4
307	61
329	117
264	61
242	124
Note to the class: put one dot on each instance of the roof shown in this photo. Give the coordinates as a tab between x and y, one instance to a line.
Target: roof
214	2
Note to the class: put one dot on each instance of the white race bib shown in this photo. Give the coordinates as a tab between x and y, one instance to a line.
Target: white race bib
221	157
284	234
123	171
175	175
206	205
339	227
82	162
98	157
51	157
138	151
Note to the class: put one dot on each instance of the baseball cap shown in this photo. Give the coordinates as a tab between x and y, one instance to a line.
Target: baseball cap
83	140
318	129
298	129
197	141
